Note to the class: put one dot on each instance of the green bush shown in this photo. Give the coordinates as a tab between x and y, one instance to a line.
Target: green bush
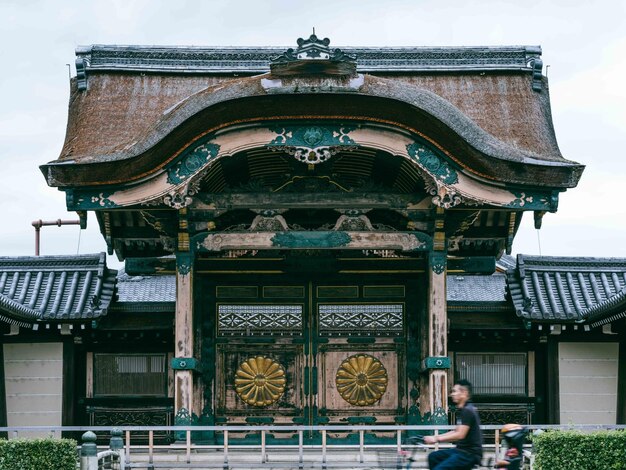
38	454
568	450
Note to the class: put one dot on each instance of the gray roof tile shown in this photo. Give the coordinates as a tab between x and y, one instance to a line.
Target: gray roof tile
476	288
185	59
565	289
160	288
55	288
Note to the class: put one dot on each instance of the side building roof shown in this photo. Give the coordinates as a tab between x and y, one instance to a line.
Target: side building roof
542	289
162	288
35	289
568	289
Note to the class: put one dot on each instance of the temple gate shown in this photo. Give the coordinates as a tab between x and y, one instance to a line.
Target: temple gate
313	213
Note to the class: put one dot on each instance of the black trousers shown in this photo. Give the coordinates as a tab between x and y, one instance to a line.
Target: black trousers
451	459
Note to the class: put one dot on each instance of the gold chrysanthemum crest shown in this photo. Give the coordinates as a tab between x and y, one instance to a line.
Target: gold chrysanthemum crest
260	381
361	380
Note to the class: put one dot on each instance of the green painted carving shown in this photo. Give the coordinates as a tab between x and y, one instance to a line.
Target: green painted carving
440	362
312	136
439	417
424	241
437	261
184	262
183	268
190	162
312	144
356	420
433	163
184	418
77	200
534	201
186	363
311	239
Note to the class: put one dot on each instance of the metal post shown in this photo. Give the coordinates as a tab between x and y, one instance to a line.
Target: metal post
41	223
127	455
89	452
151	448
497	446
399	442
300	448
263	455
324	448
225	465
188	445
361	440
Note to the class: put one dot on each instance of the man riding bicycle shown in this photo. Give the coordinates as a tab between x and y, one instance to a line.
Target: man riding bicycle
469	440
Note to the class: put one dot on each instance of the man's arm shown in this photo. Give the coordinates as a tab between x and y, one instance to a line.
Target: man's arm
456	434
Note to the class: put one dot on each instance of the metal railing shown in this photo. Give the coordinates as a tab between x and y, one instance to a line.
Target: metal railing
226	451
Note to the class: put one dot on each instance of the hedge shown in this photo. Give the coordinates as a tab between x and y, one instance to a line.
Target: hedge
38	454
567	450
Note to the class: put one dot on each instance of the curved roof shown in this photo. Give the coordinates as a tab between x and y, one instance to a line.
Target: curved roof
486	106
560	289
55	288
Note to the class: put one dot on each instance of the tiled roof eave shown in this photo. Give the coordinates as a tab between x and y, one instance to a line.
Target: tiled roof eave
55	289
14	312
162	306
18	311
567	289
479	305
194	60
615	304
536	316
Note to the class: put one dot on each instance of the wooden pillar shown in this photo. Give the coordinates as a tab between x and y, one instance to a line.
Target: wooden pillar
184	363
435	363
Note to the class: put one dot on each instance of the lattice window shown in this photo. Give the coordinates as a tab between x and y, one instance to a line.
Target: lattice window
130	374
493	373
259	320
361	319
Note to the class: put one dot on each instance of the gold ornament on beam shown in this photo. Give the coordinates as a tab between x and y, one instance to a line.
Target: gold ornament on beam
260	381
361	380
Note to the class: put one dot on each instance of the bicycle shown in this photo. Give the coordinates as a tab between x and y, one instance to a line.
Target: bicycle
409	454
402	458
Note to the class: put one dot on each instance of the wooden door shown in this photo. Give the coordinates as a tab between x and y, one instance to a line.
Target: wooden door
309	352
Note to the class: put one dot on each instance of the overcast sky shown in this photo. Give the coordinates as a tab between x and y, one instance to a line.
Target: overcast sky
584	51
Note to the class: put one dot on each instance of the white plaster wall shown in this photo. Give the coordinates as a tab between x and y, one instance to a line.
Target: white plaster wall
588	383
33	374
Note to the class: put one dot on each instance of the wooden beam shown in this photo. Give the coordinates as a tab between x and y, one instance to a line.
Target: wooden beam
226	202
327	240
472	264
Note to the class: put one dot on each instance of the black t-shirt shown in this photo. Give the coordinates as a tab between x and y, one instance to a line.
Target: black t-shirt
473	441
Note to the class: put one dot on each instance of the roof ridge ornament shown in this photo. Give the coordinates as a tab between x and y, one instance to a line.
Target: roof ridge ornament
313	57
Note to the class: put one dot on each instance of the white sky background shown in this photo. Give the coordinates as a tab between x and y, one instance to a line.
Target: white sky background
584	45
